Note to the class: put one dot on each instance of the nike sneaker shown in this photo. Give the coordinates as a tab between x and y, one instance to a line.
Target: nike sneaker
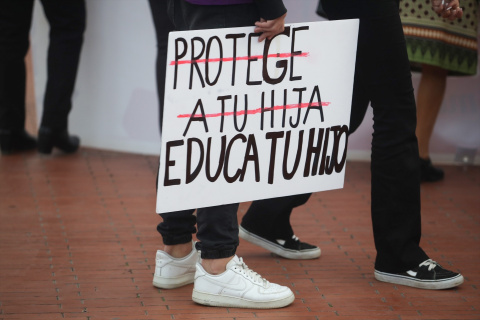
173	272
239	287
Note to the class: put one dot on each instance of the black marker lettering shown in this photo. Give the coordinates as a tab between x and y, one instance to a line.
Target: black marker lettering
221	159
283	64
299	90
194	60
170	163
250	59
251	146
289	175
207	57
192	175
227	158
193	118
273	150
234	61
244	115
178	56
222	117
315	93
313	149
295	53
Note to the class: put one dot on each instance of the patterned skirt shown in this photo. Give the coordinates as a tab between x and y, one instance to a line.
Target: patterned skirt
432	40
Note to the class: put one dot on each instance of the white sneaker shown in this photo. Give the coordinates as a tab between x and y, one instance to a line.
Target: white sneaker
239	287
173	272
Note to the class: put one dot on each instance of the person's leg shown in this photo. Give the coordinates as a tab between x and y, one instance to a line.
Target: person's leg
175	263
429	100
384	68
177	227
382	65
163	26
15	21
218	232
220	268
270	218
67	24
267	224
216	237
360	103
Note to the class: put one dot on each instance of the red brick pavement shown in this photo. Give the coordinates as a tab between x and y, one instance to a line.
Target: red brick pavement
78	241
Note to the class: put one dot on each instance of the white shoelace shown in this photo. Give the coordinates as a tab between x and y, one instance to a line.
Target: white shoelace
250	273
430	263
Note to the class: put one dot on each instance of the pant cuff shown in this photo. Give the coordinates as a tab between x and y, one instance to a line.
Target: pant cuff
171	240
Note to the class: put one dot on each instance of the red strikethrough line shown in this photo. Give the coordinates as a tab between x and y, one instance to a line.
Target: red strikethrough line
273	55
242	112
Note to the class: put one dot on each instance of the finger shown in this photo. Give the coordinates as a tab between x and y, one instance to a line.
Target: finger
258	30
262	30
262	37
265	25
460	13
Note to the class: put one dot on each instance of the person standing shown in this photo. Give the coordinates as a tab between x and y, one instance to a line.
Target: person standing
437	47
67	25
382	77
220	277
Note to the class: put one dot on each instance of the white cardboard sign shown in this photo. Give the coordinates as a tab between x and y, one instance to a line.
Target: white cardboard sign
245	120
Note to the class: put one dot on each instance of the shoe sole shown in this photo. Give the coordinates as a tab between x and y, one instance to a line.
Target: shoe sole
215	300
172	283
278	249
421	284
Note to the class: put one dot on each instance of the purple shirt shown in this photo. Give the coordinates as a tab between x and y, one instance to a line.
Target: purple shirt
219	2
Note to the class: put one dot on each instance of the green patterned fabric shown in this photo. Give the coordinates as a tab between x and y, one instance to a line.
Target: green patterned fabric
451	45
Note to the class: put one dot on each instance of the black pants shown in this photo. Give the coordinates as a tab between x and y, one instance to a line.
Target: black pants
163	26
67	25
382	77
217	226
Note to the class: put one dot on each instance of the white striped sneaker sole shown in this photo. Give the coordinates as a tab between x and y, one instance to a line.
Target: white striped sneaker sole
419	283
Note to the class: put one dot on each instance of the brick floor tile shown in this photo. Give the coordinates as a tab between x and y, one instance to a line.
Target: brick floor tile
86	249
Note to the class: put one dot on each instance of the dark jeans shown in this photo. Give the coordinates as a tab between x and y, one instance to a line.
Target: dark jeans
271	217
217	226
67	25
382	77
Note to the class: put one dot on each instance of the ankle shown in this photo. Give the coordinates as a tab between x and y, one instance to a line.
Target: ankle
178	250
215	266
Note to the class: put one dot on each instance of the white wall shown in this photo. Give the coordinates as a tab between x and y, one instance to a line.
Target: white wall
115	100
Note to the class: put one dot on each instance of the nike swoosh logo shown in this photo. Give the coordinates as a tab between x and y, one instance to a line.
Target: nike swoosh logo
238	285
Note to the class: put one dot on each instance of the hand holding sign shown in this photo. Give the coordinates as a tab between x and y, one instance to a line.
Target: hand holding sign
270	28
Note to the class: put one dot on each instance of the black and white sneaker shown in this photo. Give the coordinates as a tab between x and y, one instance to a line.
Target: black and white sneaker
428	275
291	248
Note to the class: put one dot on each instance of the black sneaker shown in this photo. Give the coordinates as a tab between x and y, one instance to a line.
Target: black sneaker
291	248
428	275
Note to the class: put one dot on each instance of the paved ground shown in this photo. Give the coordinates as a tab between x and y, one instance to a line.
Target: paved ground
78	241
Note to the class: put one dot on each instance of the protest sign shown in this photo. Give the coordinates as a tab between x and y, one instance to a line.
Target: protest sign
246	120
